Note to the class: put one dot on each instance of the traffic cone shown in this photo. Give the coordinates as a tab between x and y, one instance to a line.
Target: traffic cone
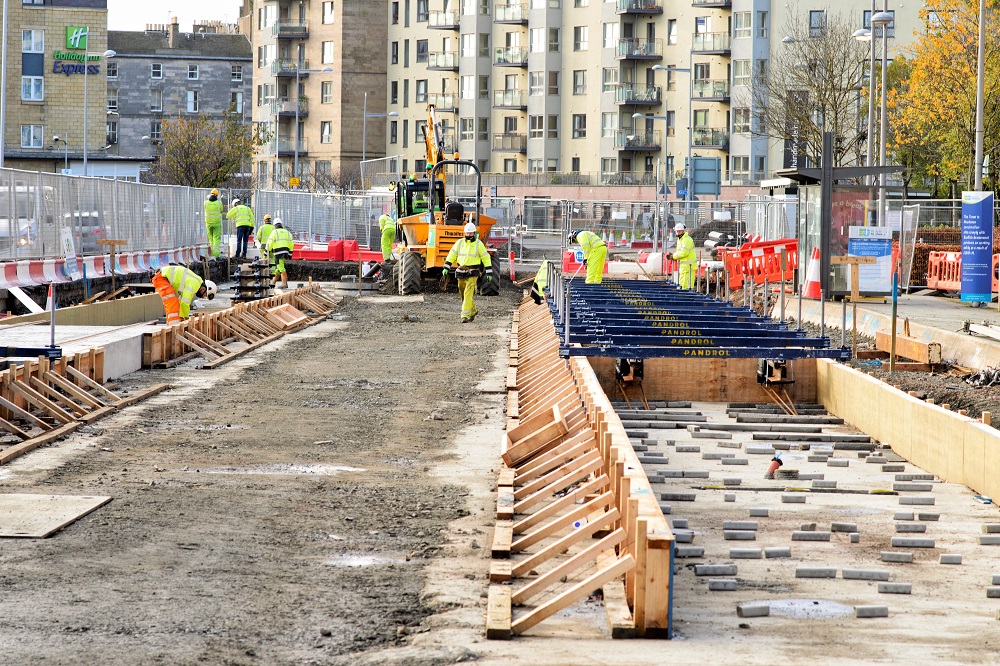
812	288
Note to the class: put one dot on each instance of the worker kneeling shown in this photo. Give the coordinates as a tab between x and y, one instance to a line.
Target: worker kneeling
685	256
472	258
178	287
595	254
279	247
540	283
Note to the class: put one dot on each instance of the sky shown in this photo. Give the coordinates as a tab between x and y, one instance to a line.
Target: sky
134	15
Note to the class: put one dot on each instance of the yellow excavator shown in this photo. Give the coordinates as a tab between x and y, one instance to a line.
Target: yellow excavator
430	225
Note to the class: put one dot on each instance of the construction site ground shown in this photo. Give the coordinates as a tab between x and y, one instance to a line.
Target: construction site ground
329	499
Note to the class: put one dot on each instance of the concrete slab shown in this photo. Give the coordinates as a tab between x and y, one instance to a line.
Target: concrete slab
122	345
38	516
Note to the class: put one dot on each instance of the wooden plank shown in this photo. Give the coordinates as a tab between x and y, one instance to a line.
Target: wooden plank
513	409
571	448
12	452
564	544
537	441
505	505
41	402
586	460
24	414
212	344
72	389
528	425
502	536
209	354
11	428
56	396
560	523
505	477
240	352
569	499
920	351
90	383
498	624
500	571
639	573
572	595
616	609
124	402
552	576
558	485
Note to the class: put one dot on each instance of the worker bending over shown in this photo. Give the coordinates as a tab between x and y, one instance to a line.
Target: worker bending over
472	258
178	287
595	254
244	225
279	247
213	222
541	281
387	225
260	237
685	256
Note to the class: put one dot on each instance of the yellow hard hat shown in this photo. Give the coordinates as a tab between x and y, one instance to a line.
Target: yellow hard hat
215	192
267	217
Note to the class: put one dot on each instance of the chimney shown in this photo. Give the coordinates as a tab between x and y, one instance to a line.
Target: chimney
175	33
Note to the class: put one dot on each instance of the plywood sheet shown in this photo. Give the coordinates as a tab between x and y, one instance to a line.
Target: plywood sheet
39	516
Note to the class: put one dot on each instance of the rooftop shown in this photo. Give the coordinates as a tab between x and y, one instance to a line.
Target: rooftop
203	45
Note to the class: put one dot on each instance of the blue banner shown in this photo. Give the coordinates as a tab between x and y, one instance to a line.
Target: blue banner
977	247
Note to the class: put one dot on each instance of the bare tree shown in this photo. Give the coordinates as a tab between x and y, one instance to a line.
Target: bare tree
347	177
814	83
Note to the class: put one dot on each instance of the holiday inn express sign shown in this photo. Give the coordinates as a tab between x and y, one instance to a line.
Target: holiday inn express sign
76	40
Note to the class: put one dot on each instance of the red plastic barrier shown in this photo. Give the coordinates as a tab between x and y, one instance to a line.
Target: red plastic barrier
944	271
335	250
572	267
761	261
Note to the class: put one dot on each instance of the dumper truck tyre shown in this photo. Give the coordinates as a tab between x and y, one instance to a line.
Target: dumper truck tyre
411	273
491	287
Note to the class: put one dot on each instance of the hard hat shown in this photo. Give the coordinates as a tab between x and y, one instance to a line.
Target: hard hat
215	192
680	227
470	228
211	289
279	225
236	202
572	236
267	217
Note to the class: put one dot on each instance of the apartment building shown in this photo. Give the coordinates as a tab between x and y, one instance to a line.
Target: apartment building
318	65
556	85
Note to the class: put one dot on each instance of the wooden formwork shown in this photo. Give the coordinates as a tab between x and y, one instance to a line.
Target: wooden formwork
42	401
571	499
255	323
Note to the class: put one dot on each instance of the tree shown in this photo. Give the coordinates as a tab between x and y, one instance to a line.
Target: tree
202	151
811	85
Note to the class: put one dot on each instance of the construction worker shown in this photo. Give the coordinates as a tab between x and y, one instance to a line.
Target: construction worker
686	256
260	237
173	280
541	281
472	258
213	222
244	226
595	254
279	247
387	225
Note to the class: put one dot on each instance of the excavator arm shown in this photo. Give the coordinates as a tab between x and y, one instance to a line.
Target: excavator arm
433	139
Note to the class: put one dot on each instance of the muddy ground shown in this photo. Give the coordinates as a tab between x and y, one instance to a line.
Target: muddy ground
278	510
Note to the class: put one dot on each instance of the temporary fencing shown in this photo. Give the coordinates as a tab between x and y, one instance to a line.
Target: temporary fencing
944	271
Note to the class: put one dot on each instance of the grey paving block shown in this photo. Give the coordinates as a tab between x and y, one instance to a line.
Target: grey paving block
678	497
745	553
874	460
838	462
679	523
665	509
753	609
793	499
729	497
855	537
715	570
824	484
916	501
808	527
722	585
640	448
893	468
696	474
654	460
865	574
895	588
669	473
911	542
730	445
815	572
903	515
993	592
732	481
656	480
913	487
759	450
711	434
996	579
716	455
689	551
893	556
739	525
930	517
739	535
777	552
758	513
991	528
734	461
843	527
656	454
951	559
810	536
683	536
811	476
817	459
989	539
911	528
871	611
687	448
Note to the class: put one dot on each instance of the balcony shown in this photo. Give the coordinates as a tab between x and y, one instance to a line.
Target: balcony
717	91
722	4
510	56
291	30
638	141
640	49
286	108
709	137
711	42
510	99
644	7
286	147
629	93
286	67
444	61
627	178
444	102
443	21
510	143
517	14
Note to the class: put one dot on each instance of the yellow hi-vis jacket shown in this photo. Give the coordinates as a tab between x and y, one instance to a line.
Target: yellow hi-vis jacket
243	215
685	253
186	284
386	222
213	211
589	241
542	278
263	233
469	253
281	241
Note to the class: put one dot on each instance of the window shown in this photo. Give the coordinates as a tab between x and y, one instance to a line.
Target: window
484	45
32	41
609	165
580	33
484	7
482	129
406	23
609	124
534	166
741	121
422	11
762	25
867	23
702	71
406	136
553	127
236	101
192	105
236	76
420	96
552	164
484	87
611	35
156	130
536	40
112	131
467	89
192	72
420	165
156	100
742	26
575	165
670	123
510	166
419	130
327	53
466	129
581	3
536	130
394	53
326	132
672	31
579	126
553	83
817	23
406	92
741	72
326	92
395	13
701	118
32	2
31	136
113	100
579	82
553	40
739	166
393	92
32	88
468	8
393	131
156	70
535	83
112	69
421	50
468	46
406	53
609	79
328	12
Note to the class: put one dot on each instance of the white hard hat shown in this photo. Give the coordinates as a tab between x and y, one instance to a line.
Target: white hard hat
680	227
211	289
470	228
236	202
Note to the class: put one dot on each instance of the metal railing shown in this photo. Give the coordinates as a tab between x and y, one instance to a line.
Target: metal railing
288	145
510	98
285	106
710	42
702	88
285	67
442	60
633	140
640	6
628	93
290	29
710	137
511	55
510	142
510	13
640	48
443	101
448	20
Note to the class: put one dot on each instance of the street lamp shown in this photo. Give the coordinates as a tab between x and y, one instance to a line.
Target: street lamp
689	167
56	139
3	82
86	59
883	18
977	183
659	216
864	34
364	126
298	101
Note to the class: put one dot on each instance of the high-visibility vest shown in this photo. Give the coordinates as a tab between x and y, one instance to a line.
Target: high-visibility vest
243	215
386	222
213	211
186	284
542	278
263	233
469	253
685	253
281	241
589	241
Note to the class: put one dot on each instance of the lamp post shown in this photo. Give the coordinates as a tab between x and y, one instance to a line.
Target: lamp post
3	83
86	66
298	101
980	93
659	224
883	18
56	139
364	126
689	167
866	34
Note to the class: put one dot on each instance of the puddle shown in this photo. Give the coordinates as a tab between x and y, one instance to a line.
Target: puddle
810	609
361	561
288	469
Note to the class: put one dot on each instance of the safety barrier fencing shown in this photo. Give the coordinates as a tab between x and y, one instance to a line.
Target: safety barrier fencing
54	271
944	271
760	262
574	505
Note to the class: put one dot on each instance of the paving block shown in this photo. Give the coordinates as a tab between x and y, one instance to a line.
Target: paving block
716	455
778	552
815	572
689	551
824	484
695	474
838	462
810	536
669	473
931	517
913	487
989	539
903	515
811	476
996	579
656	454
895	588
722	585
843	527
808	527
730	497
678	497
893	468
665	509
817	459
871	611
875	460
951	559
679	523
729	445
654	460
865	574
855	537
640	448
912	528
759	450
793	499
638	434
916	501
715	570
734	461
753	609
893	556
739	525
682	448
925	477
711	434
991	528
758	513
912	542
993	592
732	481
739	535
745	553
865	454
657	480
